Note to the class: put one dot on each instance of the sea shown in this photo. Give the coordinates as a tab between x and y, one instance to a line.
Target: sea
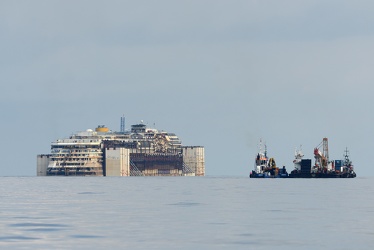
211	212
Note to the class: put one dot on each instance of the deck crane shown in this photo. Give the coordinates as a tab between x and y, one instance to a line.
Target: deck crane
322	158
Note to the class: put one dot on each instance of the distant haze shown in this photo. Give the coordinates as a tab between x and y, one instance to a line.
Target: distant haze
221	74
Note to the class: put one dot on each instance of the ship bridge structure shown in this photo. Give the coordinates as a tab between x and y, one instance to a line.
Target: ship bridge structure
141	151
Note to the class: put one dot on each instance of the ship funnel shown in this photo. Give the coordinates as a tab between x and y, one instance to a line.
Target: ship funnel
102	128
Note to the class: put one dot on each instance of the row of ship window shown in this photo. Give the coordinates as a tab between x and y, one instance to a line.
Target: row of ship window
76	151
80	160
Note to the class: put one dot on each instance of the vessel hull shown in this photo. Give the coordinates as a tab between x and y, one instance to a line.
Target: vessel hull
322	175
262	175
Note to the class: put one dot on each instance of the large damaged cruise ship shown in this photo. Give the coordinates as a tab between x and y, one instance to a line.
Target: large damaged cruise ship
141	151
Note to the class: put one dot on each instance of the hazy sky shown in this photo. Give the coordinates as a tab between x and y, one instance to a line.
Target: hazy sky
221	74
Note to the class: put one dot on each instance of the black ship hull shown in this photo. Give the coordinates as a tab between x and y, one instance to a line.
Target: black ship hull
321	175
253	174
268	176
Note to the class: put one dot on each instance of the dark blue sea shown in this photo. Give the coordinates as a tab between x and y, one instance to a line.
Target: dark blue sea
186	213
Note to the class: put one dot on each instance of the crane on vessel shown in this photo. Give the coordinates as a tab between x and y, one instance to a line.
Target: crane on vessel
322	158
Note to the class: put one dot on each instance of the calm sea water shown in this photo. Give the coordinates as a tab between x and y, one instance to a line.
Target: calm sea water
186	213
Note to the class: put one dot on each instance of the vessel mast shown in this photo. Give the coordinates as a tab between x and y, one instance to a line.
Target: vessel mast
347	162
263	150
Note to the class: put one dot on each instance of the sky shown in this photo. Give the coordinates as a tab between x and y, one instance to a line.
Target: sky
220	74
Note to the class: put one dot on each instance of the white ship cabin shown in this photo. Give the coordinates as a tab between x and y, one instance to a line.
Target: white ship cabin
261	162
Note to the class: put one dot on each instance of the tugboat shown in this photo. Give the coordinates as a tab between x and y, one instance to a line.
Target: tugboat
323	167
347	170
266	167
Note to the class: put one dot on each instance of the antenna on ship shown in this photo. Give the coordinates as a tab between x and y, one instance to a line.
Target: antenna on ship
122	127
346	152
346	157
266	150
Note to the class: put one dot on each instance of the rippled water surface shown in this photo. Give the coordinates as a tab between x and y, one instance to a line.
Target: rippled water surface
186	213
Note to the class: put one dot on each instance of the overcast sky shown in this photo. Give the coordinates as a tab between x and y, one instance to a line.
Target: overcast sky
221	74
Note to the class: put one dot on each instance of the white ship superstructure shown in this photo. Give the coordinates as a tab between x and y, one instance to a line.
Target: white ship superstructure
298	158
140	151
79	155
